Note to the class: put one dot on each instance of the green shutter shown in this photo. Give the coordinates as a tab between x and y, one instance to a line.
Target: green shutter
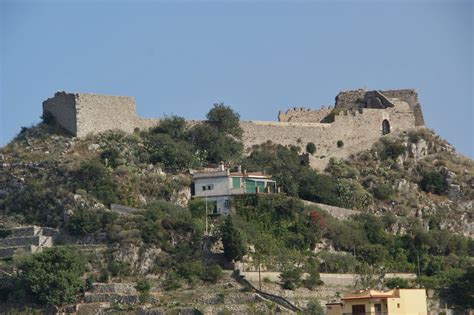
235	182
249	186
271	187
261	187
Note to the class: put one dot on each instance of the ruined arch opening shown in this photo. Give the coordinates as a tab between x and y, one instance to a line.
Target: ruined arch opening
385	127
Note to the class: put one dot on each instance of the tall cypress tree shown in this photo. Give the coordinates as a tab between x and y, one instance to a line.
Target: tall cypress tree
234	248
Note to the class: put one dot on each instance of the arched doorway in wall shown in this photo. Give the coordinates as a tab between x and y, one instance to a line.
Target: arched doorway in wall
385	127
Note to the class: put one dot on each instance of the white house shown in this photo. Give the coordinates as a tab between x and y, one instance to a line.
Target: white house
218	186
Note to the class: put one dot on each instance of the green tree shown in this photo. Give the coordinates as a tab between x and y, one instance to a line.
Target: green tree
234	248
314	308
460	292
311	148
373	254
173	126
283	163
433	182
393	283
314	279
52	277
173	154
95	178
291	277
225	120
264	250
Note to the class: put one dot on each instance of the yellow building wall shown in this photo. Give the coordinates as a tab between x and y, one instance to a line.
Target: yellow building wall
410	302
369	305
333	309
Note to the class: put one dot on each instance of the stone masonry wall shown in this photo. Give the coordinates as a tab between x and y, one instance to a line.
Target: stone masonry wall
98	113
411	97
304	115
63	107
357	130
82	114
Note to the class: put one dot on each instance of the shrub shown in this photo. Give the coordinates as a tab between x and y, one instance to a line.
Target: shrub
104	276
84	221
391	149
383	192
340	143
95	178
197	207
110	157
143	286
190	269
119	269
393	283
172	281
37	202
433	182
52	277
314	308
311	148
291	278
212	273
4	233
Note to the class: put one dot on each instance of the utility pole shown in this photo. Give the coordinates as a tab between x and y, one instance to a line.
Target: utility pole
418	259
206	216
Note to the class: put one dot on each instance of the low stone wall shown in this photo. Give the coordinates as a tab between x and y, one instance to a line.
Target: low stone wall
331	279
123	209
24	241
25	231
338	213
10	251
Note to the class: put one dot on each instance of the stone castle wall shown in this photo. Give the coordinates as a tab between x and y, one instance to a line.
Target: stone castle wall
63	107
357	130
357	126
304	115
82	114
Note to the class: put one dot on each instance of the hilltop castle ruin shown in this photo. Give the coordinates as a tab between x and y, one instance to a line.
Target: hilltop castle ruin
358	119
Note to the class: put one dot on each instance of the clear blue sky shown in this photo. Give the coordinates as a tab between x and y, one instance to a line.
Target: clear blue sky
257	56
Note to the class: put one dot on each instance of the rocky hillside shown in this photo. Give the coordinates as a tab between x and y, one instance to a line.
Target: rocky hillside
415	176
411	193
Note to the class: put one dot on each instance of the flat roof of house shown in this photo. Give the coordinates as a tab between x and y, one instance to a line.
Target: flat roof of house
367	294
212	174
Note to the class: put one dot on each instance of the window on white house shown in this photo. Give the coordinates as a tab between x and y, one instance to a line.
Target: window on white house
207	187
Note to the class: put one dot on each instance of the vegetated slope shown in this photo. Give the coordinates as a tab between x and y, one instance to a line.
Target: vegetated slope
419	190
416	176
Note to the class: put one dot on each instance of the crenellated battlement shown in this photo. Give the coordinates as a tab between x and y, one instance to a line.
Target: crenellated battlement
302	114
